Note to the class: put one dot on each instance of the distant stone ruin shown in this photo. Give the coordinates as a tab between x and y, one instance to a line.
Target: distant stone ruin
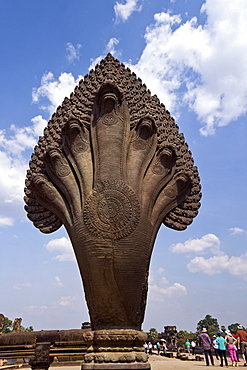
17	325
2	321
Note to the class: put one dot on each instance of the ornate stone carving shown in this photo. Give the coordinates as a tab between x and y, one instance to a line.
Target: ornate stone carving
112	167
41	360
112	211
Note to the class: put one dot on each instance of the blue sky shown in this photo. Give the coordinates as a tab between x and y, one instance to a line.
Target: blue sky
193	55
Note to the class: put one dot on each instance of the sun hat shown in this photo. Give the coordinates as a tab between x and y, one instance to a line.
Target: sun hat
228	332
204	330
214	336
240	326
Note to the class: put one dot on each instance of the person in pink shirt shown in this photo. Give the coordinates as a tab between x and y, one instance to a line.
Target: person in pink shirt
230	342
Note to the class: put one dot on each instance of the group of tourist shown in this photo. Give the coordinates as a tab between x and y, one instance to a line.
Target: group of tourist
149	347
223	343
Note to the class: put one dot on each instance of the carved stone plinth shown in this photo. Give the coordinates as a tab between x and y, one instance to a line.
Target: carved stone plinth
116	349
41	360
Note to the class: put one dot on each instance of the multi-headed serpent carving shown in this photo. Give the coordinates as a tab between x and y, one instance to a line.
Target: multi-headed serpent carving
112	167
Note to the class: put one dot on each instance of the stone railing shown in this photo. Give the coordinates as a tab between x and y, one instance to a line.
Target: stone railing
41	347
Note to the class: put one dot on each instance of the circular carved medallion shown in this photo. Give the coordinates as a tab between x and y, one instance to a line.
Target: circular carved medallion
158	169
109	119
63	171
112	211
140	144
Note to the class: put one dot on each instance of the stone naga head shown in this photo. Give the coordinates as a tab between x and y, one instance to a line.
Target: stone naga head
112	167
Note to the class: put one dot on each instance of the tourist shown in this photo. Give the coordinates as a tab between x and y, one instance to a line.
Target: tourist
164	347
187	344
230	342
216	346
158	347
222	348
242	342
205	342
193	346
145	345
150	348
236	346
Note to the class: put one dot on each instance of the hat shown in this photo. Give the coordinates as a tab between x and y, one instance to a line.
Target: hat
214	336
204	330
218	332
228	332
240	327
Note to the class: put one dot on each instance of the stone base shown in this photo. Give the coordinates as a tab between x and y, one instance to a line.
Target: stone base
118	366
116	349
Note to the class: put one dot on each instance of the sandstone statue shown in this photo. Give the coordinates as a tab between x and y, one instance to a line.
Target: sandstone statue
17	324
2	322
112	167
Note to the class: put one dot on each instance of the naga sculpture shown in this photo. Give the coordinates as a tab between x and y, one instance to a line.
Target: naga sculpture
112	167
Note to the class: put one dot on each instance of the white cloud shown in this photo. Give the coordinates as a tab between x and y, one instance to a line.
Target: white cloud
204	66
238	265
73	52
65	301
234	265
39	123
6	221
63	246
159	294
214	265
160	270
13	166
21	138
58	282
237	231
110	48
124	11
13	170
20	286
210	266
197	245
164	280
54	90
37	310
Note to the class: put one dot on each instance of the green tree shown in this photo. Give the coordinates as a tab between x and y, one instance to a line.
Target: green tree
8	324
234	328
153	334
209	323
22	329
182	335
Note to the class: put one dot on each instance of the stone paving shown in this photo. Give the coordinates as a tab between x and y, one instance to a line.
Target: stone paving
157	363
165	363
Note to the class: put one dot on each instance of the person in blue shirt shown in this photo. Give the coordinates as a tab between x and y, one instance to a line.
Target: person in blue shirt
221	348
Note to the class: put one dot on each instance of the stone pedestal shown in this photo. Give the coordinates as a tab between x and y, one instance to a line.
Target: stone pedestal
116	349
41	360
